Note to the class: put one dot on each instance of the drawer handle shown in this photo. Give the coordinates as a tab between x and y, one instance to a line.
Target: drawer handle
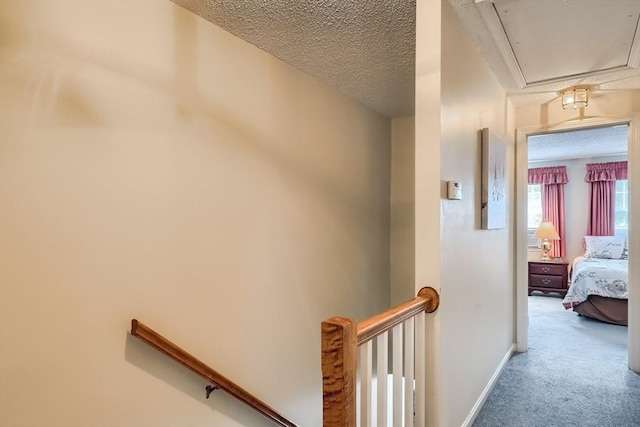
546	281
546	269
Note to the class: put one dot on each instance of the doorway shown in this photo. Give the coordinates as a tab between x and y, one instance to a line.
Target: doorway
633	121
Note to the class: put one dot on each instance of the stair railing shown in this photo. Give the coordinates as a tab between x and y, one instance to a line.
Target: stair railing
217	380
348	375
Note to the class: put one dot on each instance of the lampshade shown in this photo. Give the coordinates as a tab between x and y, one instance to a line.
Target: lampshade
546	230
575	98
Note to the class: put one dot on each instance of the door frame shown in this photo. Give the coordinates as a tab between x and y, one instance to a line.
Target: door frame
522	310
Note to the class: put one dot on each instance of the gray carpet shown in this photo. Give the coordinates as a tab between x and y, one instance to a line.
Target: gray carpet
574	374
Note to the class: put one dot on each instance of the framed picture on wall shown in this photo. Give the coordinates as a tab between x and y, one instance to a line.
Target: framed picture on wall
494	181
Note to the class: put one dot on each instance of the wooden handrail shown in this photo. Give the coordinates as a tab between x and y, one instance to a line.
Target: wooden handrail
165	346
427	300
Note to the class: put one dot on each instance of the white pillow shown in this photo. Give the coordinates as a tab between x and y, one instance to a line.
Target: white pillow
604	247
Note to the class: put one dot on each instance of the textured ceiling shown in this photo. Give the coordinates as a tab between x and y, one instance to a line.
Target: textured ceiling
584	143
365	49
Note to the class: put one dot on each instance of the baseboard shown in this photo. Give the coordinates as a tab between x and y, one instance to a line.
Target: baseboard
485	393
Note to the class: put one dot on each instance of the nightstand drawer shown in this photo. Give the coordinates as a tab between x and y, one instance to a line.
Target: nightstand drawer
546	281
548	269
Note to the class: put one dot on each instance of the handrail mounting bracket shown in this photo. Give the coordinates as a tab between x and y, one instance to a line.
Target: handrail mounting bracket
211	388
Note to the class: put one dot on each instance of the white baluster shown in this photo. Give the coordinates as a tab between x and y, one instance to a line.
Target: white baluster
408	371
382	371
396	360
365	365
359	389
421	392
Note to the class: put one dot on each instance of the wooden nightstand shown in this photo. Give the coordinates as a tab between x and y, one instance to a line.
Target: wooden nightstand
551	276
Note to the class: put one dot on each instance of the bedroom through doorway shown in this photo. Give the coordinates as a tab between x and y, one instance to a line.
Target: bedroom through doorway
571	147
577	188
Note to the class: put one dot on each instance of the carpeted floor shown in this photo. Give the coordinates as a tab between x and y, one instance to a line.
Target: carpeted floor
574	374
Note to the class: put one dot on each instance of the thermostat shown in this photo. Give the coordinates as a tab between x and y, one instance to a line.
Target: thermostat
454	190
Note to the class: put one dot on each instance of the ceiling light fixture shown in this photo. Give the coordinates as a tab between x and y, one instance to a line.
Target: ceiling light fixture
576	97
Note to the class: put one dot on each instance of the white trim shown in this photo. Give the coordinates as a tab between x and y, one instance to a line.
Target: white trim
633	120
496	29
634	54
633	242
494	25
522	240
485	393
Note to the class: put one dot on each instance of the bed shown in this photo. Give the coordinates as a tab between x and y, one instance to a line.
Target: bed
599	283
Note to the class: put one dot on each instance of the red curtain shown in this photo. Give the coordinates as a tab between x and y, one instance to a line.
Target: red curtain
553	180
548	175
601	178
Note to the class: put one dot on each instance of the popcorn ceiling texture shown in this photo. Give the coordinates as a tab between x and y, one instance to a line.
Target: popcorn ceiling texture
365	49
581	143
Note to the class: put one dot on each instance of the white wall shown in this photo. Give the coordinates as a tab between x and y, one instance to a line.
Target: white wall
154	166
474	326
576	199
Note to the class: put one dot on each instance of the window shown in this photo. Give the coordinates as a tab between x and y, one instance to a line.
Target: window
622	208
534	211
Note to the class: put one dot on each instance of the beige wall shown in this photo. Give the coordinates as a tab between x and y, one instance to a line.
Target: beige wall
603	104
402	209
475	323
427	184
154	166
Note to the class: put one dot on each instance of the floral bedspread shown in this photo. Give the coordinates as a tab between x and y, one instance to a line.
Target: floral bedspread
598	276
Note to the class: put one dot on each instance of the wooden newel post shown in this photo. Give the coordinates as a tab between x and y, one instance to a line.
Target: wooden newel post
339	354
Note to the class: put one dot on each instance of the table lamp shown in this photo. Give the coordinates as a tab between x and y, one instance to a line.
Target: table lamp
546	231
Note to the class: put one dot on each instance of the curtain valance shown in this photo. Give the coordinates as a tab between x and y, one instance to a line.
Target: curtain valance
548	175
610	171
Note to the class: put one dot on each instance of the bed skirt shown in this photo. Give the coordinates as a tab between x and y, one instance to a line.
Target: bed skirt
610	310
